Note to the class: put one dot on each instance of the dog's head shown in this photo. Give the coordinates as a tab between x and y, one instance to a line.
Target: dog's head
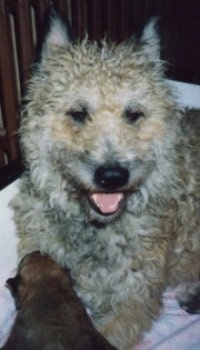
99	123
34	270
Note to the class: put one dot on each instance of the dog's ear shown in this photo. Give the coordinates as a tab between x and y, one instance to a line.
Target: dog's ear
13	283
150	40
57	33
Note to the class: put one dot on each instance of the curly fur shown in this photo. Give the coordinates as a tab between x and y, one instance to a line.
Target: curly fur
122	262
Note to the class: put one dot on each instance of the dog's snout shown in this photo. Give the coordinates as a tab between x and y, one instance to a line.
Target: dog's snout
111	177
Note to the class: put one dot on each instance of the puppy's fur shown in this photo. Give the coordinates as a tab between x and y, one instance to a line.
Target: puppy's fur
112	181
50	314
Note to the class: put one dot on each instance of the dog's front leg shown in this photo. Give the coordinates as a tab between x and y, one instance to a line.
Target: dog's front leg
139	299
131	318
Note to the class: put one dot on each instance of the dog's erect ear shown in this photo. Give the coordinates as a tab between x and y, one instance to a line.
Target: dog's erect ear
150	40
57	33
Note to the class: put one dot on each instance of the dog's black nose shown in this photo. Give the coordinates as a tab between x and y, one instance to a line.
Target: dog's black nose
111	177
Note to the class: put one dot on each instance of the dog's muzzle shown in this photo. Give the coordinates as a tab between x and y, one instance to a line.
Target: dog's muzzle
110	181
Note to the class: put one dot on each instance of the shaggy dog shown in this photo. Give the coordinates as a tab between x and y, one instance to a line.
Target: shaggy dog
50	315
112	181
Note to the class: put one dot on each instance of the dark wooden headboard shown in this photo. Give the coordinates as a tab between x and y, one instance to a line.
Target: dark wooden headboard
21	28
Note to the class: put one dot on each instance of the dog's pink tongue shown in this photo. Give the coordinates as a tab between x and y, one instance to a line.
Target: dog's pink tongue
108	203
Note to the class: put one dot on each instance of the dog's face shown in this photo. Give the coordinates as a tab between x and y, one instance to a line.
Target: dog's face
98	126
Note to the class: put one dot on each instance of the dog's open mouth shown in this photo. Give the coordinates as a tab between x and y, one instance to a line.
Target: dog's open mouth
106	203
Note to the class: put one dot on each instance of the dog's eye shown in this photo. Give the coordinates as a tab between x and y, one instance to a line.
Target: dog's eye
79	116
133	115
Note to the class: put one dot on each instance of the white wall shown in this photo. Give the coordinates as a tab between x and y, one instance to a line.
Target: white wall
189	94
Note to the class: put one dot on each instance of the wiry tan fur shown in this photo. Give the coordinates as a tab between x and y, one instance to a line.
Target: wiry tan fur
121	263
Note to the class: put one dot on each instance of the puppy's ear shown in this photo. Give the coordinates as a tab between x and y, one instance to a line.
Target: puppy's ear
13	285
57	33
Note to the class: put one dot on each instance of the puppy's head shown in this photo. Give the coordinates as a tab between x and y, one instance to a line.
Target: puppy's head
34	270
34	267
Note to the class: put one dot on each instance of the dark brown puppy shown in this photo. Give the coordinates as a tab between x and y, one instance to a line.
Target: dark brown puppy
50	314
